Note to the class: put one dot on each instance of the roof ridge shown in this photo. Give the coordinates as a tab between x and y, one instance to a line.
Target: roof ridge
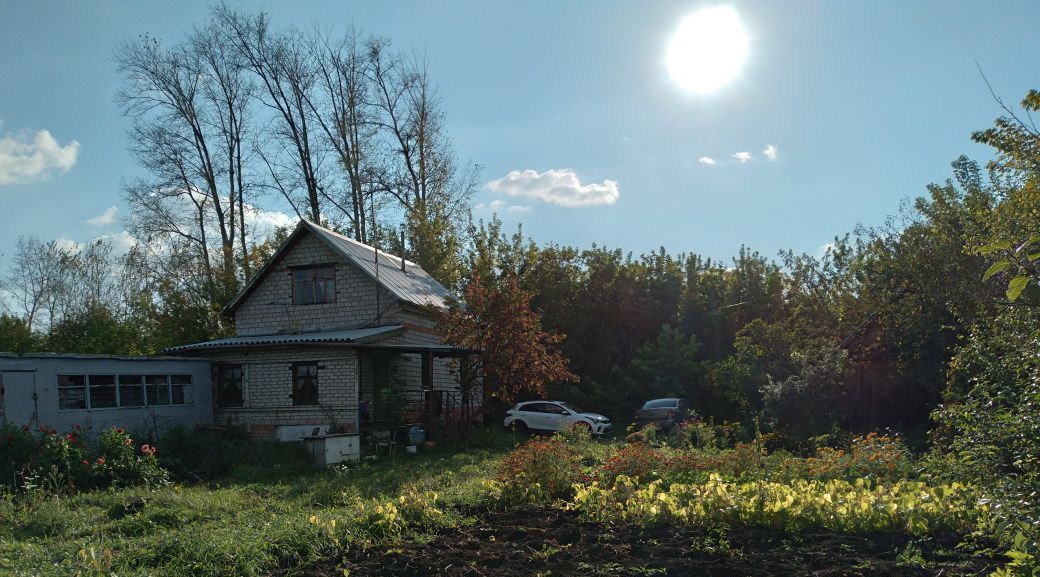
359	243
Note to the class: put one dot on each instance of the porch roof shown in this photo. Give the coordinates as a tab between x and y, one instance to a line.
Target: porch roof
341	337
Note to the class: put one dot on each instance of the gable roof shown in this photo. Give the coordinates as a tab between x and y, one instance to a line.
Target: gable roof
407	281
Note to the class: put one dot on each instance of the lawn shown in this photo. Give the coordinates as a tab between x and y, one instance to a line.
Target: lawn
510	505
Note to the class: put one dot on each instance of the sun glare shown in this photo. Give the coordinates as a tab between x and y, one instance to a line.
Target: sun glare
708	50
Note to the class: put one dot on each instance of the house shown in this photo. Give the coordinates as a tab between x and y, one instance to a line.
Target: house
333	336
96	392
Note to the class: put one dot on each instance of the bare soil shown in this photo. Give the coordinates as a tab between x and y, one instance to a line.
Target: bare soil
548	542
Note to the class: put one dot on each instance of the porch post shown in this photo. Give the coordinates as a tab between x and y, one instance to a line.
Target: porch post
427	383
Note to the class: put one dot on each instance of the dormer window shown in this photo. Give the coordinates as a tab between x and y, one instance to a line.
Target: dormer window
314	285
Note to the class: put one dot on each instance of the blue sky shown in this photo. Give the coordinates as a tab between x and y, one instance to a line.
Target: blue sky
865	103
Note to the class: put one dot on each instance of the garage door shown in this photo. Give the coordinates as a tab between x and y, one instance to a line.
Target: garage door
18	398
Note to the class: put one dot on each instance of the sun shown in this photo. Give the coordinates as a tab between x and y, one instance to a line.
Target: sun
708	50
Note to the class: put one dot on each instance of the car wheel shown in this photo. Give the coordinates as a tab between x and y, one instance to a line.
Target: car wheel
584	425
521	427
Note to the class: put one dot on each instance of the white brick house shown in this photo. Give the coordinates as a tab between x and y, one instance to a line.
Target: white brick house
333	335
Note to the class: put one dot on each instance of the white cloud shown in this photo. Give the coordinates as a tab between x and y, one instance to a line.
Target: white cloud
561	187
500	206
68	245
25	157
105	218
742	157
262	223
823	249
707	160
770	152
121	242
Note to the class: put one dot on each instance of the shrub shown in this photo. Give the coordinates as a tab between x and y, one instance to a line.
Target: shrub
634	460
874	456
60	463
540	468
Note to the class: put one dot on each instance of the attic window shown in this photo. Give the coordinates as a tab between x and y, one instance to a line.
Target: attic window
314	285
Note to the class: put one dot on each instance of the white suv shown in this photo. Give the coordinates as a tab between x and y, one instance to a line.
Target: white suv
553	416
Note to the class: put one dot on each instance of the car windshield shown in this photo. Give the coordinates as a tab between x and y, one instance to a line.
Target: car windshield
660	404
572	408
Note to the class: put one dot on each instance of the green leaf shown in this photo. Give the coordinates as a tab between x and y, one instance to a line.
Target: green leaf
1001	245
998	266
1016	286
1033	256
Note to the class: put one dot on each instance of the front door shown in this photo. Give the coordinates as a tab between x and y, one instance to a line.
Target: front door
18	398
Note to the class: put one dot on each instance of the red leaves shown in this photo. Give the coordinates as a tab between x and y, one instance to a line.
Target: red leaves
516	354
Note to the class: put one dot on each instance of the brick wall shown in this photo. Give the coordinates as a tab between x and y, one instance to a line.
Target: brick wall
269	309
267	389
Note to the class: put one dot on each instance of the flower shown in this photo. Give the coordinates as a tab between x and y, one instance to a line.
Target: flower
128	442
86	462
100	461
120	431
70	437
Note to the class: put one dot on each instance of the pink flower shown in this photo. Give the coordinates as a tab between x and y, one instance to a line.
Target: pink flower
128	442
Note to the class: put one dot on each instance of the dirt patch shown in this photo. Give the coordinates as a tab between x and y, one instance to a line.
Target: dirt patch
550	542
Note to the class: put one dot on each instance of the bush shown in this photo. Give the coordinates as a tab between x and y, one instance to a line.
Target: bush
540	468
60	463
634	460
874	456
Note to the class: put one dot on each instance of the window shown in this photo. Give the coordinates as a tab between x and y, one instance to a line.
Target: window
72	391
102	391
131	390
111	391
229	384
314	285
157	390
180	385
305	384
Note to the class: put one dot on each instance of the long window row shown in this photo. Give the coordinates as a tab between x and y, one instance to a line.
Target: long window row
111	391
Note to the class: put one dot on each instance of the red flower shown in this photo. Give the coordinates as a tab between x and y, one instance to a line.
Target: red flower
70	437
128	442
120	431
25	428
86	463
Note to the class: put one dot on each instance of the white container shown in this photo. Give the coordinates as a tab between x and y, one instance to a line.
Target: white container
334	449
412	449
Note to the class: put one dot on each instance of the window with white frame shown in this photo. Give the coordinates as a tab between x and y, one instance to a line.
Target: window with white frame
129	391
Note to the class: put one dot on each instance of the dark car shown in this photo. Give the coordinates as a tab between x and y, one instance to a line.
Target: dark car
664	413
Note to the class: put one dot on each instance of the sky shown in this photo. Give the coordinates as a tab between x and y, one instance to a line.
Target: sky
842	111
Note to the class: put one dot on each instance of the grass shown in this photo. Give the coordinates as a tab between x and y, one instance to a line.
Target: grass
267	511
256	520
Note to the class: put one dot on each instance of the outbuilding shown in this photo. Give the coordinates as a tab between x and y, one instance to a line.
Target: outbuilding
142	394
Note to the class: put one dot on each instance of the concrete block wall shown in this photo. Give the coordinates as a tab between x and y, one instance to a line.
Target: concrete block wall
269	309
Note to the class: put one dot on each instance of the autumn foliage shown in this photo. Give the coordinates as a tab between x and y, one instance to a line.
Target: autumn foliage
515	355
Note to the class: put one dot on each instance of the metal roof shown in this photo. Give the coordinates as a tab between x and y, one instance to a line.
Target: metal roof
87	356
325	337
409	283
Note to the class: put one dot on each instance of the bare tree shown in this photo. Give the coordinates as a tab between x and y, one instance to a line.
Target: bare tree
189	106
421	173
286	75
342	107
34	280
